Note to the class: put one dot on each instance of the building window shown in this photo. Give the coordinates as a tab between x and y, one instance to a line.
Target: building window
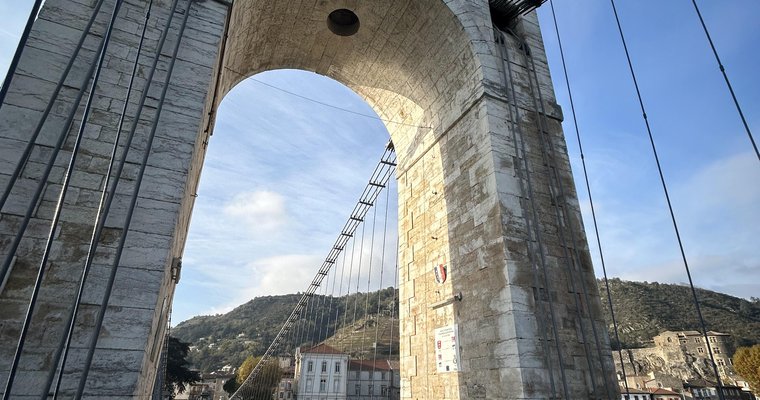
720	362
716	350
670	340
309	384
383	390
336	385
337	367
358	389
324	366
282	395
310	366
323	385
712	339
370	391
700	350
697	340
382	375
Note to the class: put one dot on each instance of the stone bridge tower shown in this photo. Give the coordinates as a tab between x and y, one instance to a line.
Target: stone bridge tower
484	186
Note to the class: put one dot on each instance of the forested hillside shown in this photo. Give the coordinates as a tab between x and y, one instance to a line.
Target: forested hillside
643	310
248	329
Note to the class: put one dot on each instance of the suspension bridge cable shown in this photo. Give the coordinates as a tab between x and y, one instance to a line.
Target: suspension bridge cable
61	198
531	217
336	107
49	107
348	283
728	82
588	191
380	176
358	280
63	347
572	257
380	291
369	280
32	205
551	175
667	198
131	208
332	296
323	303
340	290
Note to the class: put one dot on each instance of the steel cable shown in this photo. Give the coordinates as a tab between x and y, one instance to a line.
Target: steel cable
49	107
588	191
4	270
66	340
728	82
131	208
667	199
61	199
531	218
553	176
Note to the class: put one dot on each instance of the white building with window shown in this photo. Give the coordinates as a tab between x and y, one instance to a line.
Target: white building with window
378	379
321	373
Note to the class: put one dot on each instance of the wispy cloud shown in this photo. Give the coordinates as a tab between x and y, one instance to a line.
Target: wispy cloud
262	211
719	220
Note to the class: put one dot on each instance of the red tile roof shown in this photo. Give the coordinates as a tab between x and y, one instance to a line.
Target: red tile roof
367	365
321	349
662	391
633	391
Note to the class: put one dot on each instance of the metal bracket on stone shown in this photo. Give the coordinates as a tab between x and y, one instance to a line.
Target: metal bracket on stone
176	269
504	13
439	304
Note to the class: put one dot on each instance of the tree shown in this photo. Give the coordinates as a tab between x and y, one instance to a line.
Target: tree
747	364
178	375
231	385
264	384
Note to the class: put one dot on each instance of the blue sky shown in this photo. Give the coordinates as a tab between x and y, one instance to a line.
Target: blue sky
282	172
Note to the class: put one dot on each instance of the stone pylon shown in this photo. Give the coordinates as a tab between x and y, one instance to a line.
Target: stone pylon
485	188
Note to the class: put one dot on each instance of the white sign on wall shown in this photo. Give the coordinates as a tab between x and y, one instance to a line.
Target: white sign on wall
447	349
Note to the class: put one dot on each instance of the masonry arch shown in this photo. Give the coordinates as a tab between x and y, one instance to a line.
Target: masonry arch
432	65
394	61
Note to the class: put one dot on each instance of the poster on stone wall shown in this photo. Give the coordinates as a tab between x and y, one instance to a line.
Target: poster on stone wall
447	349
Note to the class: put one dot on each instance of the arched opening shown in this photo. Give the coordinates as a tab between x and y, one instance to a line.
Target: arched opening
281	174
291	153
413	64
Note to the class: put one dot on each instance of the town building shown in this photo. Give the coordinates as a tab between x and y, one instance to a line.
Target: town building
285	389
701	389
676	357
373	379
693	344
664	394
211	387
634	394
320	373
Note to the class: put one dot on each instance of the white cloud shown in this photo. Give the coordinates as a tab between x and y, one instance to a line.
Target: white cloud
263	212
283	274
719	221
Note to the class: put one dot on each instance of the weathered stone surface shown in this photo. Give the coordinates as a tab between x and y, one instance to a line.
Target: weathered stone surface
505	221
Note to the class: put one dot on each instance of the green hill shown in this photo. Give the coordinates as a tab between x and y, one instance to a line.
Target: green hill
248	329
643	310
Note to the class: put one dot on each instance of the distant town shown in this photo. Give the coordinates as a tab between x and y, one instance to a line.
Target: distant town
676	366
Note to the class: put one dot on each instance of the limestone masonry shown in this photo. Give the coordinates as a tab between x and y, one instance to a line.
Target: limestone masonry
484	186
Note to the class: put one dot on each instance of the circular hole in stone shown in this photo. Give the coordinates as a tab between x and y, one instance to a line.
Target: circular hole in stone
343	22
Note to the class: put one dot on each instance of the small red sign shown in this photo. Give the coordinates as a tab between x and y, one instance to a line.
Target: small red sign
440	273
